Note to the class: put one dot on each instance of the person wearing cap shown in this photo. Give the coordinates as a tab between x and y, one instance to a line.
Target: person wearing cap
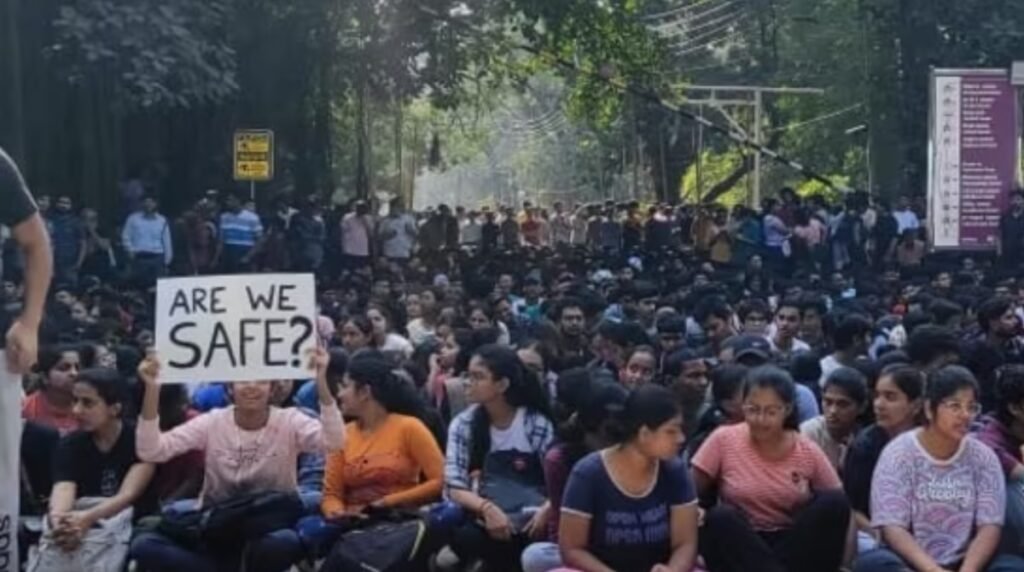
746	349
686	374
755	351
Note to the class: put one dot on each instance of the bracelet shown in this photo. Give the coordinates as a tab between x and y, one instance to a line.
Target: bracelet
484	505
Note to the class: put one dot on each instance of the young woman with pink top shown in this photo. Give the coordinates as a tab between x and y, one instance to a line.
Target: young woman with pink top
780	506
250	446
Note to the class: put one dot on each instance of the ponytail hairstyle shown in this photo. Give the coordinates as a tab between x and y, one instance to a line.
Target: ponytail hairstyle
601	401
649	406
108	385
394	393
524	390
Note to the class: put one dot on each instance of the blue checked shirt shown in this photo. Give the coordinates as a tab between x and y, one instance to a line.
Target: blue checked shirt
539	432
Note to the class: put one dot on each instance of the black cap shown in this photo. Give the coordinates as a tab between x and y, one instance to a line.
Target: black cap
750	345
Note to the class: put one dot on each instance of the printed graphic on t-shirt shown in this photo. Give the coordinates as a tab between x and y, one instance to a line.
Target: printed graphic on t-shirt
630	528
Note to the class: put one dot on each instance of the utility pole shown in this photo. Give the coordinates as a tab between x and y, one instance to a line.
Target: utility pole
750	97
755	197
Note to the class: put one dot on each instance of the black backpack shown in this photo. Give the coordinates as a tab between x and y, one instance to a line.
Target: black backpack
235	521
388	541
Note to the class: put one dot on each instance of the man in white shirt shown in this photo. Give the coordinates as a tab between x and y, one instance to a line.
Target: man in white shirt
905	218
561	225
470	230
146	238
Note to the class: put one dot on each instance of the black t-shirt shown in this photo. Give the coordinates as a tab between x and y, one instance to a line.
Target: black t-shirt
95	474
16	203
859	466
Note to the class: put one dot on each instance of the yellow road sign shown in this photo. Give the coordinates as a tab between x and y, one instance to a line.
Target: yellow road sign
254	155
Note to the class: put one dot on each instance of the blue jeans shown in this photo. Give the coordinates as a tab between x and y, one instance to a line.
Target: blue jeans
275	552
885	560
317	535
1012	541
541	557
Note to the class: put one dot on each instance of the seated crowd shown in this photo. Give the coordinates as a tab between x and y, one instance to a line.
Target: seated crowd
622	411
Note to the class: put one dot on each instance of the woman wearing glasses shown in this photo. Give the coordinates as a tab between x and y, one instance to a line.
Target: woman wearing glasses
937	496
780	505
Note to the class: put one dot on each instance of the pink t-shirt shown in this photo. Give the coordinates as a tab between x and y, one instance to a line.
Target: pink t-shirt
240	461
768	492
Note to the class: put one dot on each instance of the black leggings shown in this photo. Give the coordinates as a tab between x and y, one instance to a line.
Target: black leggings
815	543
471	542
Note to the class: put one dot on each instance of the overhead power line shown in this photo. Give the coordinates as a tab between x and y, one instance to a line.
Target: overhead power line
818	119
674	11
653	98
684	23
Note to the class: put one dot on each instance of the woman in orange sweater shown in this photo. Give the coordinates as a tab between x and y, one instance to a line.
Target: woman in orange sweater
390	458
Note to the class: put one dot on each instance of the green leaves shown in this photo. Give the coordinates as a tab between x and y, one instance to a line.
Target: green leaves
161	53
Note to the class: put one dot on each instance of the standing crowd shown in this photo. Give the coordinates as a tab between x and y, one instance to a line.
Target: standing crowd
594	388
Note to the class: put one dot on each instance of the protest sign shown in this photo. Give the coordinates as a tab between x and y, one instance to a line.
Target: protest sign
250	327
973	156
10	463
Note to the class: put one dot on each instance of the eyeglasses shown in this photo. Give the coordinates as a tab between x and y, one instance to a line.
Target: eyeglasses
772	411
972	409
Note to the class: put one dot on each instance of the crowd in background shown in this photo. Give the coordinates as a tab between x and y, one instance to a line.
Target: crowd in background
583	387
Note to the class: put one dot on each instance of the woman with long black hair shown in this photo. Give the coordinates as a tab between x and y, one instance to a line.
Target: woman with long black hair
493	462
390	458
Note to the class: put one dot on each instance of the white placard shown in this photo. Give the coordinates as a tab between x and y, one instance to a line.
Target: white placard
10	464
248	327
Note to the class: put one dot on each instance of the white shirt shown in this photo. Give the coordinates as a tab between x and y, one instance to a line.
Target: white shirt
396	344
513	437
906	220
796	346
401	244
828	364
472	233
